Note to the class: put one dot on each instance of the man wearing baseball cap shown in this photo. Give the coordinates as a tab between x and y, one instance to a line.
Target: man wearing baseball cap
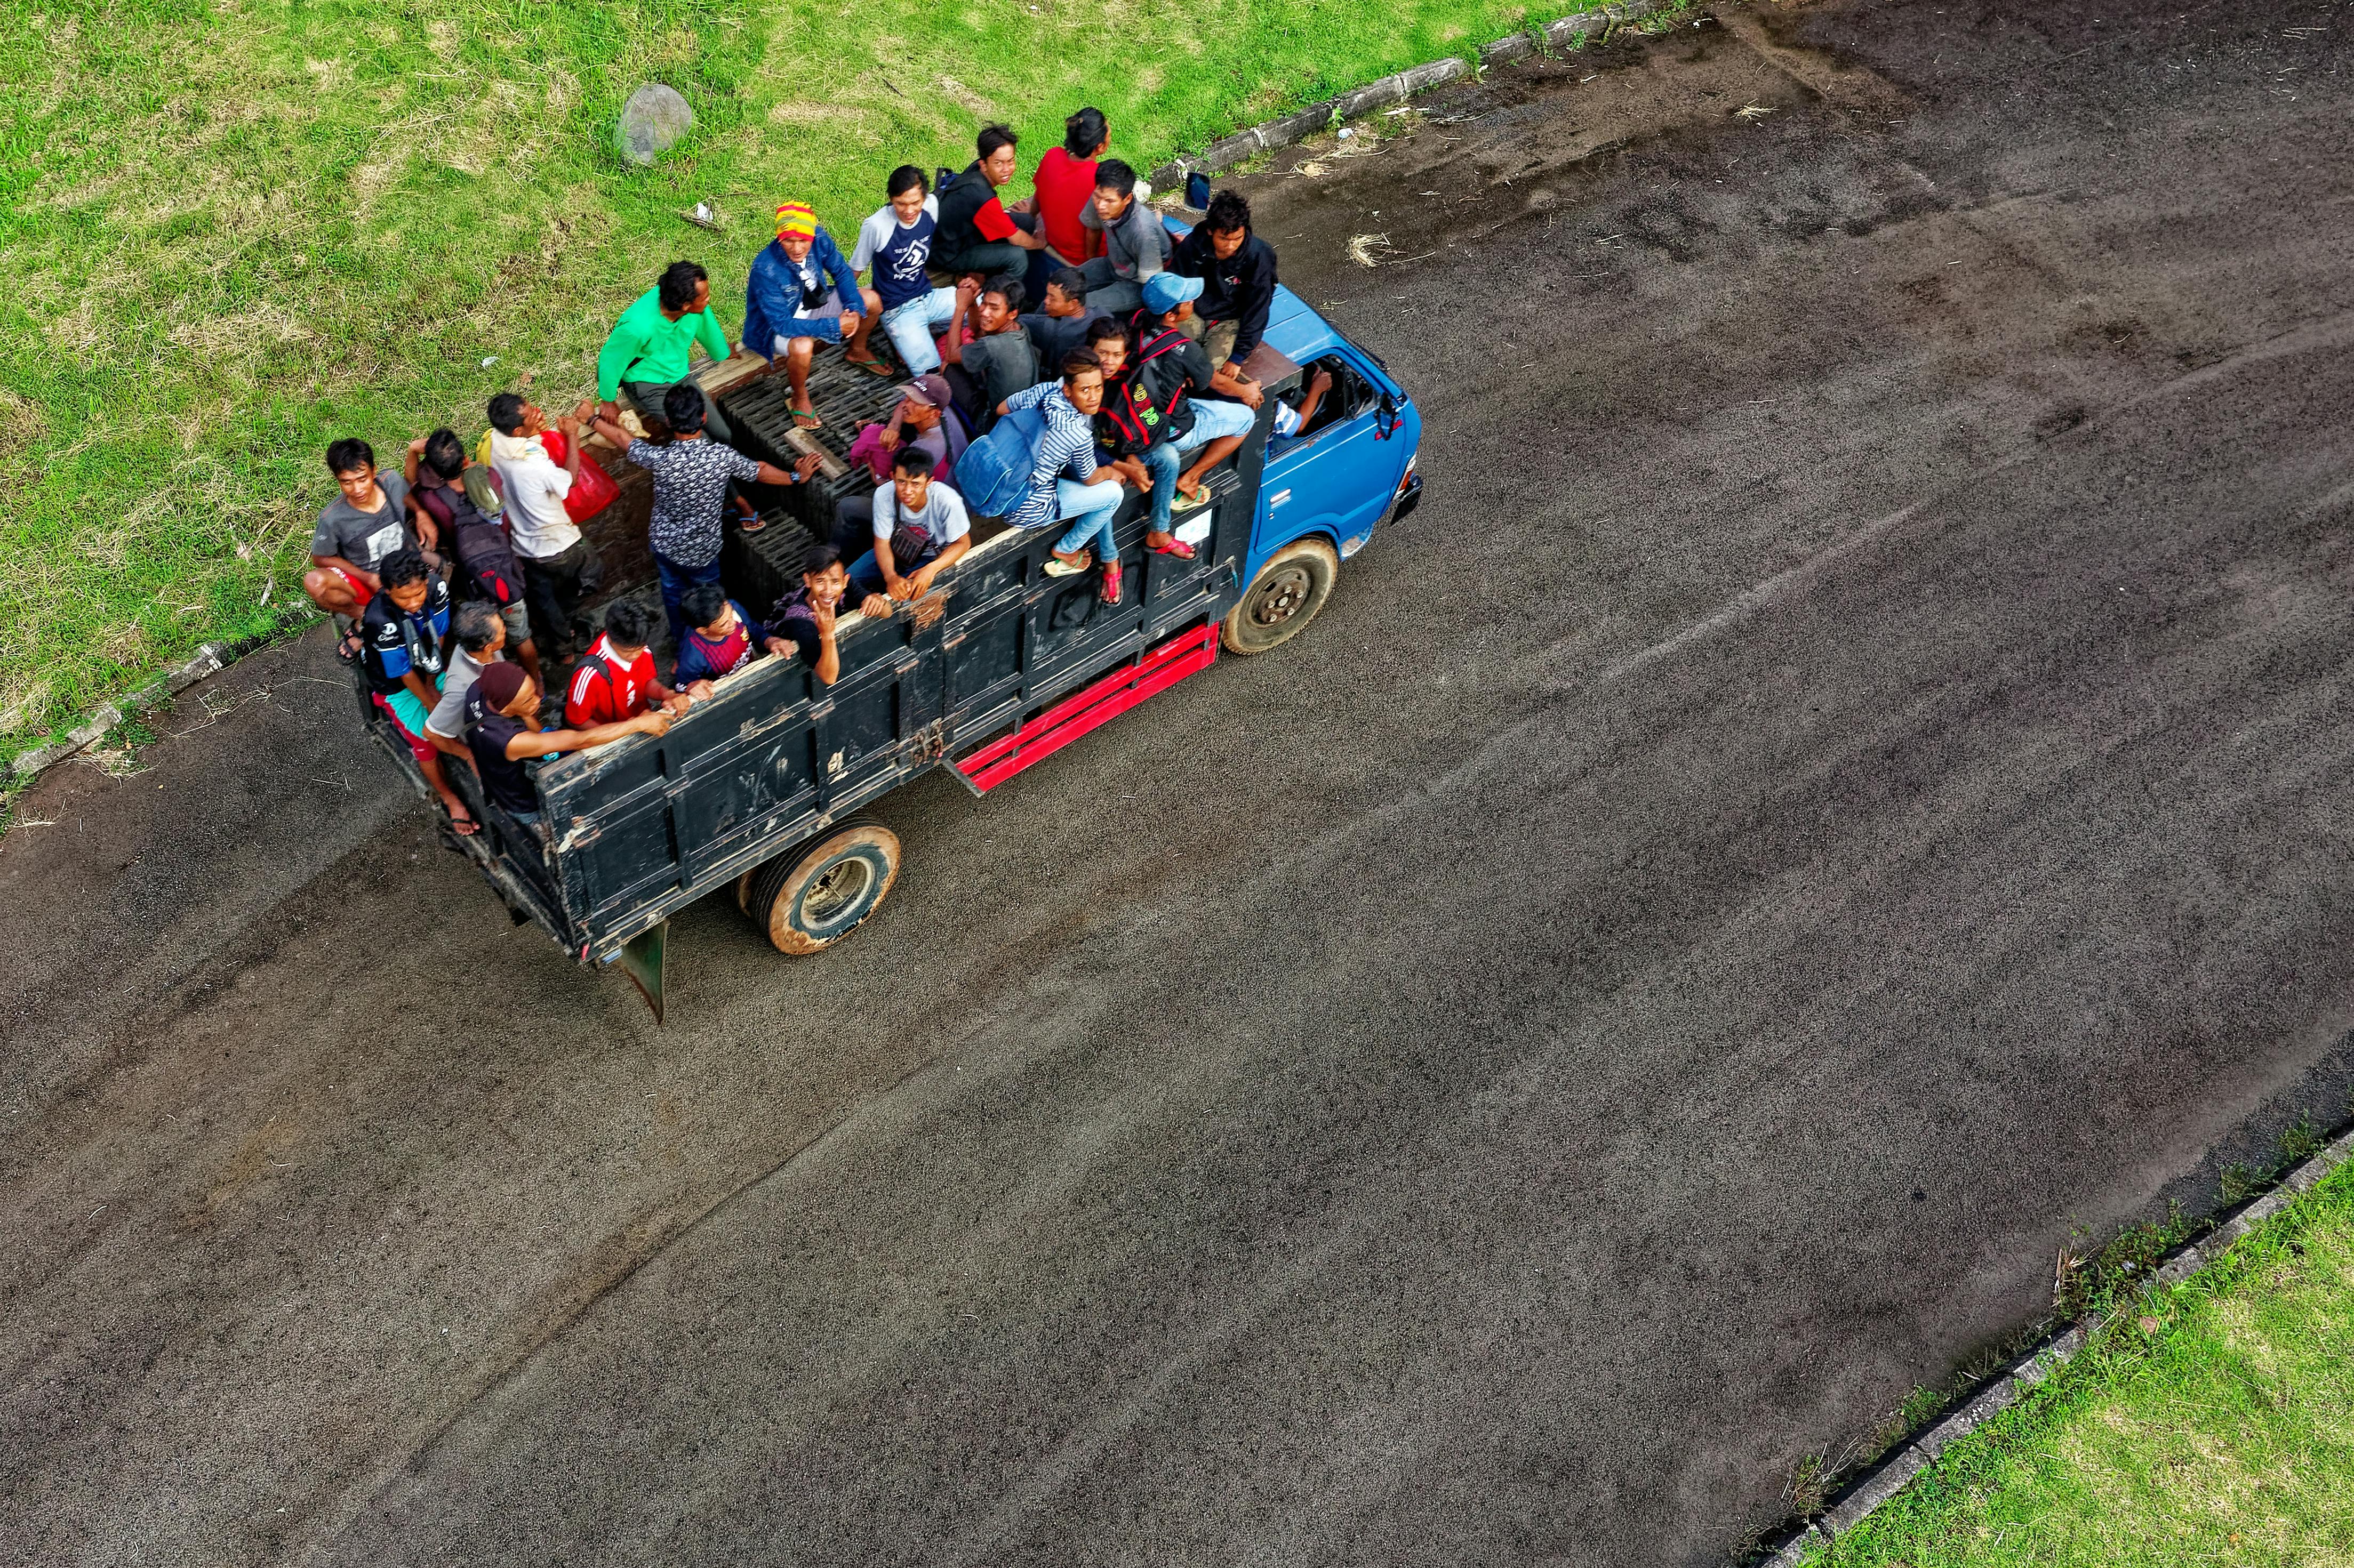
801	290
502	733
1170	403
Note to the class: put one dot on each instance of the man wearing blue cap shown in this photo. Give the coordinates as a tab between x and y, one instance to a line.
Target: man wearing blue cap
1171	401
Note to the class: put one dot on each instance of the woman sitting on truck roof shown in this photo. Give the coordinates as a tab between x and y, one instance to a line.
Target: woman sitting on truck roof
503	732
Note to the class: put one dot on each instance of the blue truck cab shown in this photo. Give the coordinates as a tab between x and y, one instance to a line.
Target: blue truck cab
766	788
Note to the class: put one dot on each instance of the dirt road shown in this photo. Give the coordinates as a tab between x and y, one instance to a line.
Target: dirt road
1839	788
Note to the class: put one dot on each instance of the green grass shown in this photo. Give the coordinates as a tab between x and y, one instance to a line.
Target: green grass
2212	1425
234	230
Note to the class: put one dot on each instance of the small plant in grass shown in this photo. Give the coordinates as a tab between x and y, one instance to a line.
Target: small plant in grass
2239	1183
2301	1142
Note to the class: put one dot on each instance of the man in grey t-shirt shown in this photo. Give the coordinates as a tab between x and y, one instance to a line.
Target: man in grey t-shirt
368	521
912	499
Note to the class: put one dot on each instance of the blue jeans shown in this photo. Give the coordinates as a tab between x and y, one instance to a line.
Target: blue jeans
1211	421
1090	508
911	327
675	581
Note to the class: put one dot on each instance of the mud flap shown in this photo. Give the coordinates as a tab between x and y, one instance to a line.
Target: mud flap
642	959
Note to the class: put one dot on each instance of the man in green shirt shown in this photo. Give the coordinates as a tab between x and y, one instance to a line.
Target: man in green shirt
647	354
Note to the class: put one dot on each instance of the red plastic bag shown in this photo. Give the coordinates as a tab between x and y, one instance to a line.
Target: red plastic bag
593	489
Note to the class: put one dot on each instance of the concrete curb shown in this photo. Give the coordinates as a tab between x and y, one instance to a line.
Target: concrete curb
1859	1501
210	660
1568	33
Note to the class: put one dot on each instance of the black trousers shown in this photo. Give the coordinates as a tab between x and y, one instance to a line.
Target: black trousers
553	589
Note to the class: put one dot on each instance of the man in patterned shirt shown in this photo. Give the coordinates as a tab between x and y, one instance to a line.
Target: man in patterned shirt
691	479
1065	480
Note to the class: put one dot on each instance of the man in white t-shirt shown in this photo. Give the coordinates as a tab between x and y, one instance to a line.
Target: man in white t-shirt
911	501
895	246
557	571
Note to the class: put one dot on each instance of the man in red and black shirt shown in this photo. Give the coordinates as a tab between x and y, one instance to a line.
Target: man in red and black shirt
977	234
616	680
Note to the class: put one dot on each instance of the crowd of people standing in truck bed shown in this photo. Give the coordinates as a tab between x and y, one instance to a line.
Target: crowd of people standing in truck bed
456	578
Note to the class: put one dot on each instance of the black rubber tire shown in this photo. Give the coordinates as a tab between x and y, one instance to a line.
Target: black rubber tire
1283	598
813	897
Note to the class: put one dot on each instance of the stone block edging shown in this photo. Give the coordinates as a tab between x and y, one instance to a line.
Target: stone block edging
1868	1495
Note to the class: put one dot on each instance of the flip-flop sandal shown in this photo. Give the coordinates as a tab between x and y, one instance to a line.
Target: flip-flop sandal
872	366
465	827
1058	568
1184	503
1176	546
747	520
806	420
350	648
1112	583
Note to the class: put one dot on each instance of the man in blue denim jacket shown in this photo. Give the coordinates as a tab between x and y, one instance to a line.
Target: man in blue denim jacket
802	290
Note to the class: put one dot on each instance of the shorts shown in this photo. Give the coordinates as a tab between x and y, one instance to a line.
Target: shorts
829	309
911	326
518	624
361	592
408	716
1213	419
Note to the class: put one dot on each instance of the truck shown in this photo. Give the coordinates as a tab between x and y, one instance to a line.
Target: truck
762	792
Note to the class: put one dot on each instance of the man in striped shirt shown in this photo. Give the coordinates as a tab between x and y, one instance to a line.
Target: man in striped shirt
1065	480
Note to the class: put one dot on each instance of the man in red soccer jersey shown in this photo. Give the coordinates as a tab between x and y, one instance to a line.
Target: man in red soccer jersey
616	680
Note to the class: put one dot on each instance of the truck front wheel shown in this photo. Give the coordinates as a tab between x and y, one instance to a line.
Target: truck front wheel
811	898
1283	598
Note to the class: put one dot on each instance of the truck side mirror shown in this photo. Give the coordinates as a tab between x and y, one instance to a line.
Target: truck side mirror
1385	423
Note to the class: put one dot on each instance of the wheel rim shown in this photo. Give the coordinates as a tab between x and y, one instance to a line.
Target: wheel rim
1282	596
835	891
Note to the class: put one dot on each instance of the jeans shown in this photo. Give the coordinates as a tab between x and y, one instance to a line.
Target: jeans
1091	508
646	397
912	326
675	581
553	588
1211	421
1107	290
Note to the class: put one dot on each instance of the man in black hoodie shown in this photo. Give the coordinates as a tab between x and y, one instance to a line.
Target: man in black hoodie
977	234
1237	272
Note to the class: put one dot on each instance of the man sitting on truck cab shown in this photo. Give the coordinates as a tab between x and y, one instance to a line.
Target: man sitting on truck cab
802	621
1168	405
503	732
616	678
1237	272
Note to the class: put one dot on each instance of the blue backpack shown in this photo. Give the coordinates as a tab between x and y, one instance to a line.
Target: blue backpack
993	474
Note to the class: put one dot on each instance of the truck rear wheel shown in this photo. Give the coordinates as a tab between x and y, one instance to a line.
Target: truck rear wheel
1283	598
811	898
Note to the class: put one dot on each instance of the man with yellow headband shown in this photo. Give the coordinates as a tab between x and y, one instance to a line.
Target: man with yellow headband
801	290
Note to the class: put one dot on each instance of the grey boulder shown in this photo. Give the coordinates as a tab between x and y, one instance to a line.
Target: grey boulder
652	123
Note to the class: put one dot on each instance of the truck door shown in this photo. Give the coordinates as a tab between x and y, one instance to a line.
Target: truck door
1337	475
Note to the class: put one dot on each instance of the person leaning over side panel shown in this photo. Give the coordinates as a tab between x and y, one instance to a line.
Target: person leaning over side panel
1237	272
802	621
801	293
616	679
650	348
481	637
721	639
502	733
